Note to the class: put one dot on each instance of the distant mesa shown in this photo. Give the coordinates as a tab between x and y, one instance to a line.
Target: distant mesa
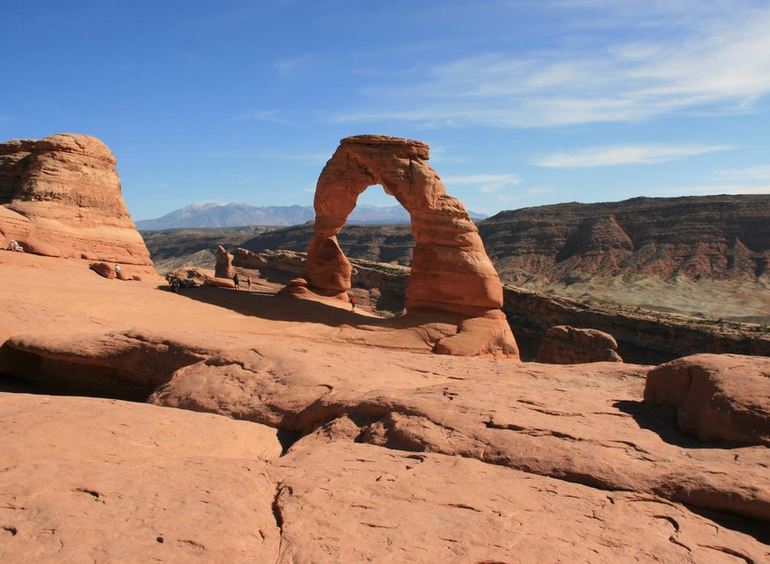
61	197
239	215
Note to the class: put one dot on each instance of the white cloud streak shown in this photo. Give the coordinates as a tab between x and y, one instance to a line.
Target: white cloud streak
759	173
651	153
309	158
720	64
706	190
484	183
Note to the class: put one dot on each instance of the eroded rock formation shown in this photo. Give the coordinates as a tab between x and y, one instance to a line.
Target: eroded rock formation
224	265
703	237
450	268
61	197
563	344
722	397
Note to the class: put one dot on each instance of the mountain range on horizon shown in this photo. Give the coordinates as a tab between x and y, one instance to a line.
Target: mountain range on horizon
240	214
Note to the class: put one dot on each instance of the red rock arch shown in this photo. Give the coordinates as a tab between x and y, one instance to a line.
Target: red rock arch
450	268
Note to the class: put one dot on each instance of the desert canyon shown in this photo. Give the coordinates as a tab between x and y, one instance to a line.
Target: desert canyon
447	417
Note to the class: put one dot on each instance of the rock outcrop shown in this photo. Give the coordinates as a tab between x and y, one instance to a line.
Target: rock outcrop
717	397
563	344
450	268
583	423
126	365
136	483
67	188
224	265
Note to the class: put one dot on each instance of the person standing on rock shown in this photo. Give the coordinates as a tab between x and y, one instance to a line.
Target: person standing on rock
248	282
236	281
117	271
352	303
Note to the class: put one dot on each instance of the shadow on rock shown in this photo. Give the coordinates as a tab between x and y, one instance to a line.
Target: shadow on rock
278	308
662	420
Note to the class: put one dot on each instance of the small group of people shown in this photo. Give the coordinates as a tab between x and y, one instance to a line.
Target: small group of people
237	281
15	246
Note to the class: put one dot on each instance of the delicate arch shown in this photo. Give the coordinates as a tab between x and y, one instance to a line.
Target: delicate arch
450	268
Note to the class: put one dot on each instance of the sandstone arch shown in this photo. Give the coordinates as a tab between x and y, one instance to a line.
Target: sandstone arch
451	271
450	268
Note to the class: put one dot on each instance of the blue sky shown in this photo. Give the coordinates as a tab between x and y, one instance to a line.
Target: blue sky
523	102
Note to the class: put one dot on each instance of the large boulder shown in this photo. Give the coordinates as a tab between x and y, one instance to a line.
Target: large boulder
563	344
68	189
718	397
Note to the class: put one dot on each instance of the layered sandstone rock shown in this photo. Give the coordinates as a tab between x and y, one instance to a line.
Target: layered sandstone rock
718	397
122	364
583	423
224	265
563	344
450	268
698	237
67	188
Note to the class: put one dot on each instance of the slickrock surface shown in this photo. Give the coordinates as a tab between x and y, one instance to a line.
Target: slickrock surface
718	397
90	480
555	461
67	187
563	344
400	507
583	423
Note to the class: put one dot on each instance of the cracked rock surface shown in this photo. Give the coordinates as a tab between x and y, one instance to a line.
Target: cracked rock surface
92	480
318	450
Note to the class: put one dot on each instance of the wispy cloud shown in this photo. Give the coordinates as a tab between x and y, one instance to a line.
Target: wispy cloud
650	153
759	173
705	190
720	64
309	158
485	183
272	116
287	68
